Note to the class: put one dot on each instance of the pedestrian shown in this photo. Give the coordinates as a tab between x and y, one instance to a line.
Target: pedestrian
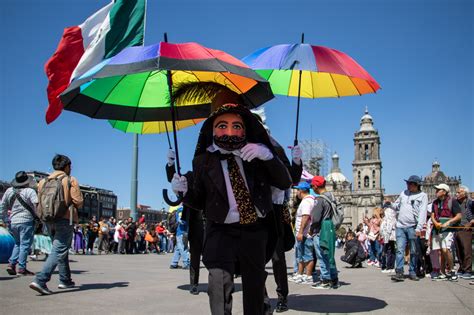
304	241
103	236
374	237
79	239
354	254
62	226
92	234
21	201
463	238
131	231
162	240
181	249
387	231
411	207
324	235
446	212
233	168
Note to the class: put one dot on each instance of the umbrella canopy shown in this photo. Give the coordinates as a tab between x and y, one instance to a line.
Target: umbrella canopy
325	72
133	85
152	127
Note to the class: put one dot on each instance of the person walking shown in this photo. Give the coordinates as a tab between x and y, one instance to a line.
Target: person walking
446	212
463	238
181	249
62	226
21	201
103	236
411	206
324	235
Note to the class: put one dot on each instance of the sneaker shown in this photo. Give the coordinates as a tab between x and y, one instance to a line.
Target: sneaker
413	278
335	284
11	269
323	285
25	272
296	278
439	277
466	276
175	267
398	277
376	264
66	285
194	289
304	279
370	262
43	290
386	271
452	277
281	307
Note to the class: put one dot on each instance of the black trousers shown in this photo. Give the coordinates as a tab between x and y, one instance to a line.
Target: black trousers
196	240
225	246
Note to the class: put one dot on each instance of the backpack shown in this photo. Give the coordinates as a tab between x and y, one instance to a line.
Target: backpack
172	222
337	211
51	204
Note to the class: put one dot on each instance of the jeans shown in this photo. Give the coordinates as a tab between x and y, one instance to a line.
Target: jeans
59	254
405	235
374	250
23	235
163	243
180	251
328	270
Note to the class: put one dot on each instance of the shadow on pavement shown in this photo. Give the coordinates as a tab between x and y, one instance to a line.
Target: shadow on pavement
74	272
202	287
95	286
331	303
7	278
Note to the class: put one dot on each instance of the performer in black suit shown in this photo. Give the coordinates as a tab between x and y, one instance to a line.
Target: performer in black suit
234	167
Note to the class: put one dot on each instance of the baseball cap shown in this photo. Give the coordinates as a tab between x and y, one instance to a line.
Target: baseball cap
303	186
318	181
443	187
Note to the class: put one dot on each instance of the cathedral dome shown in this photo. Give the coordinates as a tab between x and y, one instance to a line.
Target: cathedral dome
335	176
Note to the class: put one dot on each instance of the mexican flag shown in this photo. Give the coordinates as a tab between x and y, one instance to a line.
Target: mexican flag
104	34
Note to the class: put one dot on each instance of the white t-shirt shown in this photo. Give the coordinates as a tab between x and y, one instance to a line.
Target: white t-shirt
305	208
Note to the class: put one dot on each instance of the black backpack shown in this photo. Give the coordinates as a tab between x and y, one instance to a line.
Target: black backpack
172	223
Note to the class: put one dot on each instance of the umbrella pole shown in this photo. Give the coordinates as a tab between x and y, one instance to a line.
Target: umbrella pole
298	102
168	135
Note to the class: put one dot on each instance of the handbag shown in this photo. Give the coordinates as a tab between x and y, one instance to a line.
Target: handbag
372	236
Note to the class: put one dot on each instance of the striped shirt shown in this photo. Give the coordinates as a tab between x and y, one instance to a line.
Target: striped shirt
19	214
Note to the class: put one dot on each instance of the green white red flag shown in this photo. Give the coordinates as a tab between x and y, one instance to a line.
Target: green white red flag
118	25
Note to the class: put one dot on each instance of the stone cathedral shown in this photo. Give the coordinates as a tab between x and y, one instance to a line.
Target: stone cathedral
365	192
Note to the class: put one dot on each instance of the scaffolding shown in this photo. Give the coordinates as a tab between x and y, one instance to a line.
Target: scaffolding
316	156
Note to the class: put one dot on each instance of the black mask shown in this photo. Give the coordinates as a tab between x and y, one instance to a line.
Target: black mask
230	143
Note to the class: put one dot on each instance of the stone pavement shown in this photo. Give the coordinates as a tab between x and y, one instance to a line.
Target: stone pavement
131	284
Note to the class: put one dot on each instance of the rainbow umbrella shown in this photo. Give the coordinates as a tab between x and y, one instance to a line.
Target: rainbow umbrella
152	127
309	71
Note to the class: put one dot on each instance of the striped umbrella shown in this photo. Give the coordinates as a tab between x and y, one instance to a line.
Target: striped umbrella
304	70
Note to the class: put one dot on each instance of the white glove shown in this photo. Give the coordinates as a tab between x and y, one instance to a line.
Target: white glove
179	184
255	150
296	154
171	157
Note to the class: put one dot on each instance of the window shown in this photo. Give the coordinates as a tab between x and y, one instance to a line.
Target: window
366	152
366	181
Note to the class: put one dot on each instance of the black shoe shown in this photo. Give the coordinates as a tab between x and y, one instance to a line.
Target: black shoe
267	309
335	284
194	289
11	269
66	285
25	272
452	277
175	267
42	290
398	277
413	278
281	307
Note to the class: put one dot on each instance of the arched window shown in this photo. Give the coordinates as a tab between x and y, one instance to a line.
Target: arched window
366	152
366	181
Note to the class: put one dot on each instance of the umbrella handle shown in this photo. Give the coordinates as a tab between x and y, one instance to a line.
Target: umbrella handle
172	203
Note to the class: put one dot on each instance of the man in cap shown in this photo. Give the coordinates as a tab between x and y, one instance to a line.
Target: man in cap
445	212
21	199
304	241
411	207
234	167
324	235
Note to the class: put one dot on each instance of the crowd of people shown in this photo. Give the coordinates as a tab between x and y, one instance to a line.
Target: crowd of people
428	237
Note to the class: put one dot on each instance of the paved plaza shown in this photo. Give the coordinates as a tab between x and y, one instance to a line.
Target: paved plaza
132	284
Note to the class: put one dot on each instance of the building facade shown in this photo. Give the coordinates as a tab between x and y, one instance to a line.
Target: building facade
437	177
152	216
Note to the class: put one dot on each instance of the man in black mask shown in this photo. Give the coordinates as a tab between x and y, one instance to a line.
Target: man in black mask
234	167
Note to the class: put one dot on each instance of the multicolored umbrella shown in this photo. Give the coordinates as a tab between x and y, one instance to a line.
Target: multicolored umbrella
133	85
309	71
152	127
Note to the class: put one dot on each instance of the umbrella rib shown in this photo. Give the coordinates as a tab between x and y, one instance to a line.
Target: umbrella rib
334	83
350	78
140	96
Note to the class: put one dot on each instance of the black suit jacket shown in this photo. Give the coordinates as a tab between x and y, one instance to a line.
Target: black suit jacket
208	189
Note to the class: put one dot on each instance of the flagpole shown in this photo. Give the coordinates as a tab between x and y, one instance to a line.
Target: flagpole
134	188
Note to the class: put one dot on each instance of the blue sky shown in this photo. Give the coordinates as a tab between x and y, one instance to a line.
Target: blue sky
420	52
